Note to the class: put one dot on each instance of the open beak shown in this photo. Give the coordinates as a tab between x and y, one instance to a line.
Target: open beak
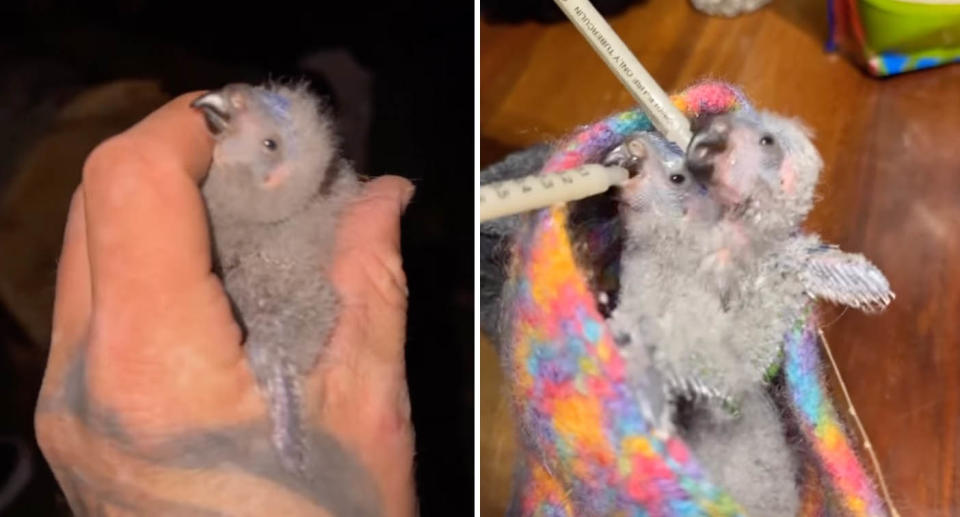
216	111
629	155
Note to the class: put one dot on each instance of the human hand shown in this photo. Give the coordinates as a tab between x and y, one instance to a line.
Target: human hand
148	405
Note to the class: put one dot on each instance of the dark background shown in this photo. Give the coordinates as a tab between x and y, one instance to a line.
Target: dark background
420	56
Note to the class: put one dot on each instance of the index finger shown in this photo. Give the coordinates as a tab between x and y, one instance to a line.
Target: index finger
146	226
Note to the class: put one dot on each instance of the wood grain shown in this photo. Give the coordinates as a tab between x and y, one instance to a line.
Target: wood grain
890	189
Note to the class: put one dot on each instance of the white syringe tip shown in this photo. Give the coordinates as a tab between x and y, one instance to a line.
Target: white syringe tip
617	175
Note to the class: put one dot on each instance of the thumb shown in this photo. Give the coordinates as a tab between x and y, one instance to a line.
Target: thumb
373	220
367	267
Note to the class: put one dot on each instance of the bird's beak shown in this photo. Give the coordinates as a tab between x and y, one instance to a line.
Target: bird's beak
629	155
708	142
216	110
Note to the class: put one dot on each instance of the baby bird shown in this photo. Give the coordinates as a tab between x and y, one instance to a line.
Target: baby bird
757	266
668	305
677	327
763	169
665	211
274	193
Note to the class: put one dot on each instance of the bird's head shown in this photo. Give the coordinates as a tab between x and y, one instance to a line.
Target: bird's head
660	185
274	149
757	163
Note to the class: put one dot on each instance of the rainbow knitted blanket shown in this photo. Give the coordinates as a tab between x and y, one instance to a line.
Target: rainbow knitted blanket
588	449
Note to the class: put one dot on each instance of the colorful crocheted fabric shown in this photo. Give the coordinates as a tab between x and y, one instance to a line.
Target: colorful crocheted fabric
589	448
580	417
820	424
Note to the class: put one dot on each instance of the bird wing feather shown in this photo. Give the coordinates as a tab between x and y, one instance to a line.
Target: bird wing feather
846	278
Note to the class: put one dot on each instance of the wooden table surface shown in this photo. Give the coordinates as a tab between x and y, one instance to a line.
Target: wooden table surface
890	189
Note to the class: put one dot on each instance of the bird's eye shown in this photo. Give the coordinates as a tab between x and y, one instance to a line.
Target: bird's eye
677	178
270	144
766	140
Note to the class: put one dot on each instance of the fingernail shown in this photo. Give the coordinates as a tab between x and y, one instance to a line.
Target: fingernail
407	196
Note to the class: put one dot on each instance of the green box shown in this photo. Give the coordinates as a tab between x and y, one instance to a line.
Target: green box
909	27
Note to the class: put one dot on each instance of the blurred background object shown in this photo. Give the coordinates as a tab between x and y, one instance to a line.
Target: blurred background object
728	8
70	77
891	37
889	190
542	10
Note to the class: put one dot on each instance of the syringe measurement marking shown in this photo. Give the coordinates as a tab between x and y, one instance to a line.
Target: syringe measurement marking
519	195
546	181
